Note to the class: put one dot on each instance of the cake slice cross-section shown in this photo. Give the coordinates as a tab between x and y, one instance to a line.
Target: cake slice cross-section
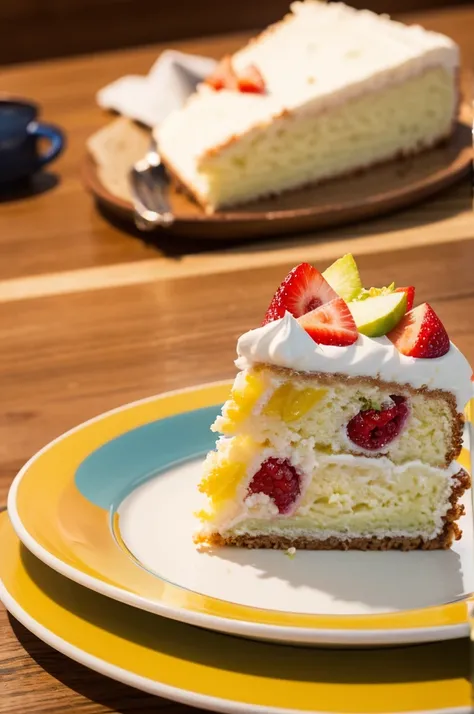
325	92
335	442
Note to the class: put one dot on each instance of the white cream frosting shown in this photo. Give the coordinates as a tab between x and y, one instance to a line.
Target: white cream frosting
284	343
320	56
330	52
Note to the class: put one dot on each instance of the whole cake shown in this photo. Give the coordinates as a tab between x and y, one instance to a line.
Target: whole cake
327	91
343	425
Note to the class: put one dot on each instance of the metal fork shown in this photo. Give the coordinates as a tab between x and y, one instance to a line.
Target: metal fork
149	187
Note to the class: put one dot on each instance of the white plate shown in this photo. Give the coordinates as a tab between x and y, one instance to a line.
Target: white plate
143	459
156	524
225	674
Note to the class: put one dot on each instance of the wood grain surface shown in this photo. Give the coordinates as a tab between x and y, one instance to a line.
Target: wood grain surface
92	317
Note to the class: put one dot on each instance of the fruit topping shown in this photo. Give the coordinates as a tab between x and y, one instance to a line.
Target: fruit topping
375	292
420	334
343	276
224	76
410	293
303	290
279	480
251	81
290	403
372	429
375	311
330	324
223	473
376	316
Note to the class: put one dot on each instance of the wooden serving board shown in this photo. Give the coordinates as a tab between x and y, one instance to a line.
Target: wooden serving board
377	191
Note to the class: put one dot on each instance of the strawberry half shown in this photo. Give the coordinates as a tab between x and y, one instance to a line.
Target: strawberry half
304	289
331	324
224	76
420	333
251	81
410	291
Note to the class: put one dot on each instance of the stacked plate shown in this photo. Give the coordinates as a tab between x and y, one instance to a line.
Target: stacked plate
98	561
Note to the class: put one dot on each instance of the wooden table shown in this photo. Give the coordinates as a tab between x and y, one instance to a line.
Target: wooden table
92	317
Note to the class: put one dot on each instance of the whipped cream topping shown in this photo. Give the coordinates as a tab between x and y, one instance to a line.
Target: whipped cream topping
284	343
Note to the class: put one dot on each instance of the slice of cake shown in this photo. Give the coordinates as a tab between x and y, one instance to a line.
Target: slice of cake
343	425
327	91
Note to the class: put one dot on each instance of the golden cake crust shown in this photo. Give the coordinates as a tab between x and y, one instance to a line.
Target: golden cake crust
441	542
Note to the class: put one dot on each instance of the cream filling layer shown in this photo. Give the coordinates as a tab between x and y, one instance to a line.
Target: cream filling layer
345	496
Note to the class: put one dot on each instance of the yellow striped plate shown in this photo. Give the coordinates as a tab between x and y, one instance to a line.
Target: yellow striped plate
63	506
222	673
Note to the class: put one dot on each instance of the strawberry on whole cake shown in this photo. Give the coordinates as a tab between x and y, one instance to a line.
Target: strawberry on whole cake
343	425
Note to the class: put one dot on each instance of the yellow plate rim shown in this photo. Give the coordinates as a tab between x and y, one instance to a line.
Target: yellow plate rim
447	621
62	618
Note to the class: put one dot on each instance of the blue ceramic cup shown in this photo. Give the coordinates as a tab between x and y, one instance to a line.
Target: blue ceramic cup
20	132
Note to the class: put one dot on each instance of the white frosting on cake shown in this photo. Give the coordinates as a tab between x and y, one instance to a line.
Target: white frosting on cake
319	56
326	53
284	343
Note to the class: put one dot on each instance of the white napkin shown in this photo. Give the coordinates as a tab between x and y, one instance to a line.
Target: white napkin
169	83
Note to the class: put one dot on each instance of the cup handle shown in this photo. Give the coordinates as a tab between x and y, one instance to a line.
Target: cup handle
54	135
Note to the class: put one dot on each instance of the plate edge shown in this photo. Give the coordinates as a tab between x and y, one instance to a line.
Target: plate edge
287	635
152	686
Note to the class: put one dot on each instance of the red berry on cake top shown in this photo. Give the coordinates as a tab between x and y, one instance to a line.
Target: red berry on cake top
410	293
330	324
250	80
303	290
420	333
350	310
223	76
